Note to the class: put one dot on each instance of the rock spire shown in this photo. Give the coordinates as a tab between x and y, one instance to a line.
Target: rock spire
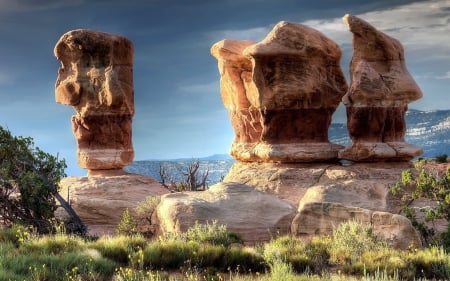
96	78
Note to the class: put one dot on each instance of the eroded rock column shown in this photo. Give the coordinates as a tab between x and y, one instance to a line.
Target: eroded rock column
381	89
96	78
236	86
293	83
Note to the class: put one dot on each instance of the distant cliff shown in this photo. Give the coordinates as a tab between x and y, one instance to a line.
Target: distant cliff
427	129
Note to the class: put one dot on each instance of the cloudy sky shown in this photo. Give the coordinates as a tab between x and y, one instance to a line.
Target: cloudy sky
179	112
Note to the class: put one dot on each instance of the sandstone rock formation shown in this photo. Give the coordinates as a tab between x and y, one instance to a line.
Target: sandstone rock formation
256	216
96	78
327	194
100	200
236	88
320	218
281	93
380	90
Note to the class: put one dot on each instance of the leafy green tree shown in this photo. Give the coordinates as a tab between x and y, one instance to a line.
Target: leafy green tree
29	184
425	184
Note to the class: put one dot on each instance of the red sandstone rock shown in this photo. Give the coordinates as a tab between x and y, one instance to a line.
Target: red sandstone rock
96	78
288	86
380	90
236	86
101	198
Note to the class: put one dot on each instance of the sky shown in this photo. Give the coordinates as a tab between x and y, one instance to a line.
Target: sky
178	109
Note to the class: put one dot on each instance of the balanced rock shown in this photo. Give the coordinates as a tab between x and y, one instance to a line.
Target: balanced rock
380	90
96	78
290	92
256	216
100	201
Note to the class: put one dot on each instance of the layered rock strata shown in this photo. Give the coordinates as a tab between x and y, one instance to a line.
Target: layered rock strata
381	88
284	91
96	78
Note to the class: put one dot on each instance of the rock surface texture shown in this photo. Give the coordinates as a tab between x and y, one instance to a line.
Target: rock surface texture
281	93
262	200
380	90
100	200
256	216
327	194
96	78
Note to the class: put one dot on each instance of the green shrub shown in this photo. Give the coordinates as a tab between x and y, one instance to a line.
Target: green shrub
53	244
212	233
119	248
171	254
391	262
425	185
206	255
55	267
350	240
431	262
144	212
441	158
301	256
243	259
127	226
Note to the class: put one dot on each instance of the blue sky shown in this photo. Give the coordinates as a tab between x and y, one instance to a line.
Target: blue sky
179	112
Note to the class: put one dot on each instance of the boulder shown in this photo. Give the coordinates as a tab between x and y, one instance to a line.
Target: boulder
381	89
328	194
100	200
96	78
321	218
256	216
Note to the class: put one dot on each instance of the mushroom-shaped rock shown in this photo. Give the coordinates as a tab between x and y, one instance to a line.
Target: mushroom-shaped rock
96	78
380	90
293	83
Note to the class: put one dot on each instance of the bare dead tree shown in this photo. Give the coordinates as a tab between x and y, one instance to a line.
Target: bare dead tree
166	180
192	180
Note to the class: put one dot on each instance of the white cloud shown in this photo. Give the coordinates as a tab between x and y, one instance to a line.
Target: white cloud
445	76
422	27
334	29
255	34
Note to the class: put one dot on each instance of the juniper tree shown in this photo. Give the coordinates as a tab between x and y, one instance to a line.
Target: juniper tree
29	180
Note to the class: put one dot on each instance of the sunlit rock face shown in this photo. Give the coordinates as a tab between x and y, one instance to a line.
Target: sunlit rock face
380	90
96	78
289	85
236	86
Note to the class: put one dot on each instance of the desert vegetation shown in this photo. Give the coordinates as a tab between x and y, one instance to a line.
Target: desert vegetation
211	252
34	245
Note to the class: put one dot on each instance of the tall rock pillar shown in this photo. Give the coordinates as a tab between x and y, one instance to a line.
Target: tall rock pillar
236	87
96	78
289	84
380	90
